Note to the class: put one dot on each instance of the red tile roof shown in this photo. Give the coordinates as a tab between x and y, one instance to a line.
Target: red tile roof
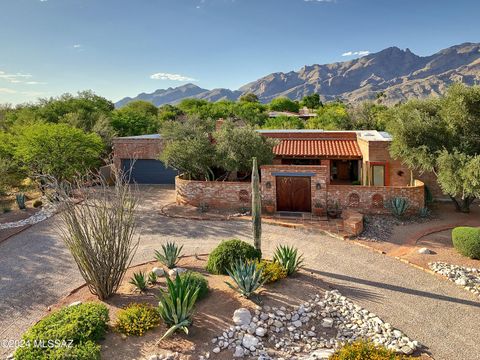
334	148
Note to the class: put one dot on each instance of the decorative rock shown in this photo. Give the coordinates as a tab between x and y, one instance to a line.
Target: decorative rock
297	323
158	271
327	323
260	331
75	303
425	250
239	352
176	271
249	340
153	357
216	350
242	316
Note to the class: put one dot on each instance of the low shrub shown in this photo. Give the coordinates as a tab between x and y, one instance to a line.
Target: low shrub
247	276
6	209
272	271
466	241
197	280
140	281
363	350
223	257
288	257
152	278
177	304
37	203
398	206
170	254
136	319
82	324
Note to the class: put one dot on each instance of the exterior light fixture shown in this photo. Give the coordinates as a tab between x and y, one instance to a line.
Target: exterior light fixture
318	186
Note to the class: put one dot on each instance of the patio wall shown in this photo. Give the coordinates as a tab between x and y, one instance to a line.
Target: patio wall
214	194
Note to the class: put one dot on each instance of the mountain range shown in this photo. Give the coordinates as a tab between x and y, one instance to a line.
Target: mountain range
396	74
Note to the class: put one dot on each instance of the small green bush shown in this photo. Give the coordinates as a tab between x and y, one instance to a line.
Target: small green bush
272	271
288	258
37	203
466	241
247	276
362	350
140	281
136	319
197	280
83	324
223	257
170	254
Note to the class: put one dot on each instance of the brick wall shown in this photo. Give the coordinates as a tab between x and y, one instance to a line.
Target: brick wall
215	194
125	148
372	199
430	180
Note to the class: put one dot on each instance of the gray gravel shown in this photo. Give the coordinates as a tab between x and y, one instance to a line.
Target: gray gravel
36	271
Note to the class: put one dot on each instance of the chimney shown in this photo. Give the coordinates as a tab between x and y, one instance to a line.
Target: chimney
218	124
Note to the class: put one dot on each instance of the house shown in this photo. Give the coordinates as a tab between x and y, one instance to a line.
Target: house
312	169
304	113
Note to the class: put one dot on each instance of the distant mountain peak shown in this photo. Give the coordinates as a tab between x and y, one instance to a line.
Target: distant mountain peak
399	74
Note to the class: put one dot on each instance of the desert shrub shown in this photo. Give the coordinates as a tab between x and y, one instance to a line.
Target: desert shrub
84	324
139	280
6	209
20	199
136	319
177	304
37	203
398	206
248	277
362	350
272	271
152	278
197	280
288	257
466	241
223	257
170	254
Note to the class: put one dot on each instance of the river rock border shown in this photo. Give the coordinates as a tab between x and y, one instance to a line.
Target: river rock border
44	213
300	333
464	276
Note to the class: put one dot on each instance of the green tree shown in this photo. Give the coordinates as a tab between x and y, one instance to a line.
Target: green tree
249	97
284	122
442	136
368	116
11	173
331	116
136	118
311	101
236	146
169	112
284	104
58	150
252	113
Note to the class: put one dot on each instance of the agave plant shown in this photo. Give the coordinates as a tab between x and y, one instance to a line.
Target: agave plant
169	255
288	257
20	198
247	276
424	212
139	280
177	304
399	206
152	278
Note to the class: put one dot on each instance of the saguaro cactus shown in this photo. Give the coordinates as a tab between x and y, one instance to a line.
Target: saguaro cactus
256	208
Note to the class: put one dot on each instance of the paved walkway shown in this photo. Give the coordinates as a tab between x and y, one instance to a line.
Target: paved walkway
36	270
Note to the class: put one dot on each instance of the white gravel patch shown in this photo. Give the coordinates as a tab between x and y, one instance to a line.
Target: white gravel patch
280	333
46	212
467	277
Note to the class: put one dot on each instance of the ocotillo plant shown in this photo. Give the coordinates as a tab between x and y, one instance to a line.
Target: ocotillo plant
256	208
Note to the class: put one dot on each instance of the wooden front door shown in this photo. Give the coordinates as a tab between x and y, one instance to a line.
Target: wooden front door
343	170
294	193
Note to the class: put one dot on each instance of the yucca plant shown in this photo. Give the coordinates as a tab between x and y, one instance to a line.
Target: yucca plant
20	198
247	276
170	254
424	212
139	280
152	278
176	305
398	206
288	257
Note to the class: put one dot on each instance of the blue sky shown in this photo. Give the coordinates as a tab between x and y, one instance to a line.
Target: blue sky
115	47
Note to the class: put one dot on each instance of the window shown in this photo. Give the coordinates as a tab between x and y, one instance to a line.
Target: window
378	175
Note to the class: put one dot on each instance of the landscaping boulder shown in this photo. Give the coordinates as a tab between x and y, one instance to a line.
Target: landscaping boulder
158	271
242	316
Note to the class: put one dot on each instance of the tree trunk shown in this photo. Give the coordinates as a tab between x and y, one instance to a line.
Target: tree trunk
462	205
256	208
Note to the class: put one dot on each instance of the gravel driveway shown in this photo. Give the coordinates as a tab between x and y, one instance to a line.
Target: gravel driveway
36	270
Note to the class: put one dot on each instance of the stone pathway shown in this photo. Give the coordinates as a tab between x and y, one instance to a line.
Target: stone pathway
46	212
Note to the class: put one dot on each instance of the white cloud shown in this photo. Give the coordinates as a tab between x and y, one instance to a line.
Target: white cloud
77	46
7	91
172	77
35	83
14	78
356	53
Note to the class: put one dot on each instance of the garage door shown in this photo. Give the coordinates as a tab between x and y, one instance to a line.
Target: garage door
149	171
